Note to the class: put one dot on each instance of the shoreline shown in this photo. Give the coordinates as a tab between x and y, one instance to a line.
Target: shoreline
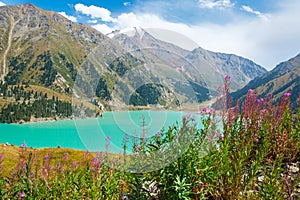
55	119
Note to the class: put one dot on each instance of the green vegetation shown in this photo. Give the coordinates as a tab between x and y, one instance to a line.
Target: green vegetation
124	63
146	94
29	104
43	62
24	104
251	157
102	90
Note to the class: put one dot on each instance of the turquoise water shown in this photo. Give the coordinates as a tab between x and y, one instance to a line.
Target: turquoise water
88	134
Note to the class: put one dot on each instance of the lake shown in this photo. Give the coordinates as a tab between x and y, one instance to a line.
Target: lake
89	134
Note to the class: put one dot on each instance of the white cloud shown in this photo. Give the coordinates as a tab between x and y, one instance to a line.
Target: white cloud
255	12
71	18
95	12
92	21
103	28
2	4
219	4
127	3
126	20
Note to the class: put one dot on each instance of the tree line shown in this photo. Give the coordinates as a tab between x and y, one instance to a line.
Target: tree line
25	104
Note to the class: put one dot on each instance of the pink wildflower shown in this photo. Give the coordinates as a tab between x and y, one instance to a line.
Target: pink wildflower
218	135
46	157
209	138
287	94
212	111
24	166
203	111
188	115
23	145
227	77
158	134
74	165
260	100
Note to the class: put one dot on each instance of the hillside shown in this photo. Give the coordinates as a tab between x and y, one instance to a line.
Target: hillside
285	77
41	47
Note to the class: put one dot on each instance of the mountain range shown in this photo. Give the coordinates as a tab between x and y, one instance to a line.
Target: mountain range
46	52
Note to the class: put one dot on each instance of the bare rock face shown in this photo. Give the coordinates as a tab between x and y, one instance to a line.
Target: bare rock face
241	70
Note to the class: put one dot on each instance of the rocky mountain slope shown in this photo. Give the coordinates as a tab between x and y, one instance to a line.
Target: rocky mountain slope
214	66
42	47
285	77
200	66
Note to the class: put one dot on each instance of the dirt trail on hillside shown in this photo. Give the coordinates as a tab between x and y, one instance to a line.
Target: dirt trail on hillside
10	34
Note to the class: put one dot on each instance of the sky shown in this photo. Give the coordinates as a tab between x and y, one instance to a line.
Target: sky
265	31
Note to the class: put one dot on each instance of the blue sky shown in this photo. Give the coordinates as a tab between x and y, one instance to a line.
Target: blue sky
265	31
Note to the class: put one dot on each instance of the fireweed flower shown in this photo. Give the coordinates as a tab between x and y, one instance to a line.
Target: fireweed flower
74	165
255	139
23	145
94	161
250	91
58	166
24	166
46	157
158	134
188	115
209	138
287	94
218	135
1	157
65	157
144	135
137	148
260	100
227	77
21	195
203	111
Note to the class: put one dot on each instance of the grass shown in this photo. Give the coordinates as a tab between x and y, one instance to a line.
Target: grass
13	153
250	157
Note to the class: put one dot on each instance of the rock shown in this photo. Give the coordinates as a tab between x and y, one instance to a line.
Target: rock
261	178
293	169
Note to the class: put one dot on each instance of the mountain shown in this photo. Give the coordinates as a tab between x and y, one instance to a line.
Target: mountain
214	66
42	47
49	62
201	66
285	77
